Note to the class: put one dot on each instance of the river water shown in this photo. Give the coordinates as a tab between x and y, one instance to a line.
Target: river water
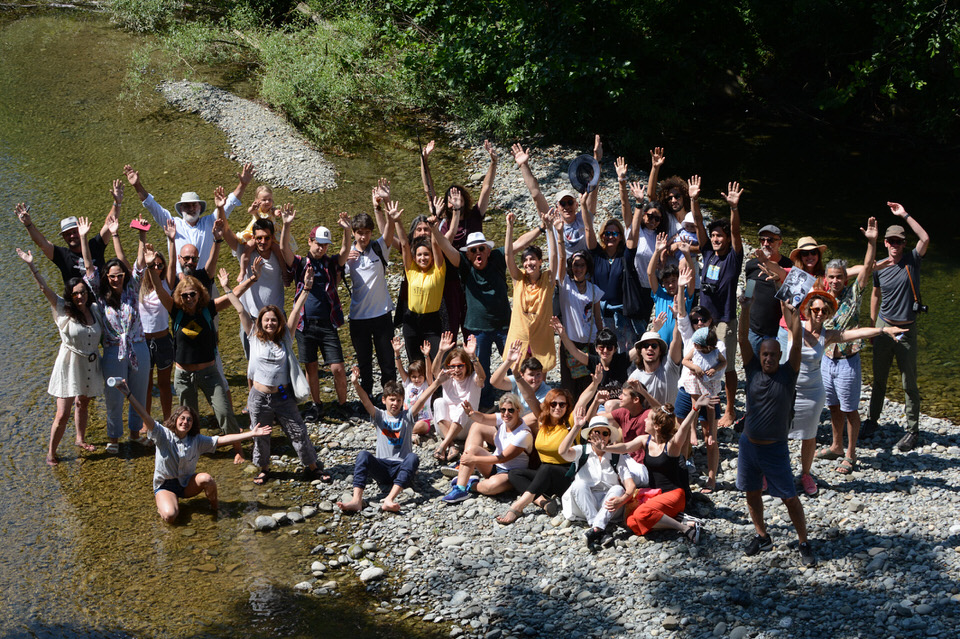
84	552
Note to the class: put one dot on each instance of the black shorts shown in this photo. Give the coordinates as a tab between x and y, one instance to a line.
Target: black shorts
161	352
319	335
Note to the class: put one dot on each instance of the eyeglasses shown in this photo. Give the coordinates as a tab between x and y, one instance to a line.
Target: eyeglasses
611	233
769	240
458	366
602	433
558	404
188	295
895	241
808	253
508	411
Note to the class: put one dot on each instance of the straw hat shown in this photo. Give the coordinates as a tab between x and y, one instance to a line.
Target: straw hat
807	243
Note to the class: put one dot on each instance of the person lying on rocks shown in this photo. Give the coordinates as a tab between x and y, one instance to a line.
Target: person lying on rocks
179	446
512	444
603	482
395	462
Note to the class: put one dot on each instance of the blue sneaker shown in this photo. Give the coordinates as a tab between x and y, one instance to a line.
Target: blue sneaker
456	495
473	481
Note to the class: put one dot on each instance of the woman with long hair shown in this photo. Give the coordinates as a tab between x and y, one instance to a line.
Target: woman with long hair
76	376
464	385
544	484
156	321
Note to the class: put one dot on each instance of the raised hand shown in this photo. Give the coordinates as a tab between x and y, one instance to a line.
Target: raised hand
580	417
307	277
471	346
658	322
732	196
381	192
26	256
220	198
439	205
446	341
513	355
117	192
394	212
355	374
170	229
467	408
638	190
870	232
246	173
456	200
556	326
553	217
661	242
344	221
897	209
425	348
603	396
23	214
621	166
705	400
491	151
598	375
287	213
510	218
427	150
149	253
224	278
519	155
83	226
693	187
597	148
254	209
444	375
133	177
657	157
397	343
113	224
217	229
261	430
257	267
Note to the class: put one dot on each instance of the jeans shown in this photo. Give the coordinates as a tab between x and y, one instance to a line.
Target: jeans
885	349
485	342
269	409
384	471
367	334
627	330
214	387
136	380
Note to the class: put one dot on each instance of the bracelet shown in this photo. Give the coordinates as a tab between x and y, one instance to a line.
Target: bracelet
906	215
218	241
115	234
541	229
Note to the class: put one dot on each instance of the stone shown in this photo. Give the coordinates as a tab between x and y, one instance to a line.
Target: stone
670	622
355	551
738	633
295	517
455	541
371	574
264	523
303	586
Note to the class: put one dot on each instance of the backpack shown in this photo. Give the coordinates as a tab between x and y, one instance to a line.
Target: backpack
578	464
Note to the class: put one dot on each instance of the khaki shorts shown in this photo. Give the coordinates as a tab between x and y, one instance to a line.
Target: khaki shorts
727	333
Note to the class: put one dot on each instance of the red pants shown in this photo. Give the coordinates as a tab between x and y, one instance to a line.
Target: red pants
646	515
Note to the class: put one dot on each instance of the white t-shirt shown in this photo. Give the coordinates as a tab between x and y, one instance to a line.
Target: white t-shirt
369	295
200	235
411	394
268	289
662	383
521	437
153	315
646	242
578	318
268	361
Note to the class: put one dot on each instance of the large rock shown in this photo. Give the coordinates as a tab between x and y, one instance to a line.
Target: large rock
371	574
264	523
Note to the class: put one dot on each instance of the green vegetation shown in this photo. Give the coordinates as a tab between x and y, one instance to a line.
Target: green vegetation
567	67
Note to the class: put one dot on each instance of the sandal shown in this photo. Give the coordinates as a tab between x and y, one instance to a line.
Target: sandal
846	466
708	489
113	448
509	517
828	454
262	478
317	473
453	453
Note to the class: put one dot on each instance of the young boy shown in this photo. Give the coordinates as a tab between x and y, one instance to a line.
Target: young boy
395	460
416	380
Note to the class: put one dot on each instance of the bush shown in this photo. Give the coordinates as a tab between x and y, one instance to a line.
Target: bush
145	16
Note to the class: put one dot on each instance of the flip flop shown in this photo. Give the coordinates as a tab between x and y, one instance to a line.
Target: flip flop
509	517
453	453
827	454
261	479
846	466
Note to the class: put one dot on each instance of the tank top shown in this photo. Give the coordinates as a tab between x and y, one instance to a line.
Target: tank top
666	472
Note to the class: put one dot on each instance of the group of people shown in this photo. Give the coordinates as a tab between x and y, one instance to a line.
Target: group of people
646	307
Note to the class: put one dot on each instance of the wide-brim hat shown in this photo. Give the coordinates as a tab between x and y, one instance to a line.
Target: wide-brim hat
68	224
584	173
189	197
601	422
827	297
652	336
475	239
807	243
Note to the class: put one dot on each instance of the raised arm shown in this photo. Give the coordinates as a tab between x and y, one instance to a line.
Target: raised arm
344	221
682	436
870	258
694	191
487	186
140	263
795	326
636	221
595	193
732	196
568	344
244	177
923	240
83	227
471	348
397	344
133	178
743	330
394	214
446	343
590	392
149	255
521	157
217	231
294	317
287	214
23	214
589	233
170	231
499	378
657	159
46	290
625	209
425	396
364	398
380	195
427	178
654	262
246	322
113	221
555	264
140	409
512	267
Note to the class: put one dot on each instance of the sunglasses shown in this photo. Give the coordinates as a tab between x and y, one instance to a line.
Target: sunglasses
158	265
697	319
508	411
818	309
188	295
611	233
458	366
558	404
653	216
476	249
769	240
565	203
808	253
650	345
603	433
674	196
895	241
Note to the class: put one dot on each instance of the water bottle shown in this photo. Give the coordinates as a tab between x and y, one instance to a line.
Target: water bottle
113	381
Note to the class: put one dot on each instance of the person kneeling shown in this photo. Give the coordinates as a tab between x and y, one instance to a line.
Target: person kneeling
395	461
179	446
603	482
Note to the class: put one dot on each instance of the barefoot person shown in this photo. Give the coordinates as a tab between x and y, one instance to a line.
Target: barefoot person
395	462
179	446
76	373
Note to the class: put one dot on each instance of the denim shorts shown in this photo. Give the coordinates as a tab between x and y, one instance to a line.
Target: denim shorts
161	352
173	485
841	381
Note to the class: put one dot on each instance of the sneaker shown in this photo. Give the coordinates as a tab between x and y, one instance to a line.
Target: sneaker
312	414
809	484
806	554
450	471
472	482
758	544
908	442
456	495
867	428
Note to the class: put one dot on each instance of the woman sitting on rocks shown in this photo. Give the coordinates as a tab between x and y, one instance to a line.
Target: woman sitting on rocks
512	444
550	479
464	385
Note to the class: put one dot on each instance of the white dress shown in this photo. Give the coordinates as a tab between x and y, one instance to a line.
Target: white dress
77	369
810	393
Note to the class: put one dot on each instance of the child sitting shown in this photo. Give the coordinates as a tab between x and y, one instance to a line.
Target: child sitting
704	364
395	461
415	379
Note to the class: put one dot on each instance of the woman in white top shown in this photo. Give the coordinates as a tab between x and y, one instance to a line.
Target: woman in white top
76	373
274	371
156	322
464	385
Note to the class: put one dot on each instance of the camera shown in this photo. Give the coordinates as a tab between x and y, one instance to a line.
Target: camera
920	308
709	288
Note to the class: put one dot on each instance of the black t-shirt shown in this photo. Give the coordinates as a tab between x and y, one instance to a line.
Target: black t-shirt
615	376
488	300
718	283
769	401
608	275
194	336
71	264
765	311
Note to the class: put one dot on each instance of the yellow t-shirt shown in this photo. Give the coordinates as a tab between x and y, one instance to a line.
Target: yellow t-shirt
547	444
425	288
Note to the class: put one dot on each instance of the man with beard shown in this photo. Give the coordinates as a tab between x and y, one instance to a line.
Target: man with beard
68	259
765	311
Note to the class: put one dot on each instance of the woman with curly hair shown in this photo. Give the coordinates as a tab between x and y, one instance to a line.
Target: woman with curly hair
544	484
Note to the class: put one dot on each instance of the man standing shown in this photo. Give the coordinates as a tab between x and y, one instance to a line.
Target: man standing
764	456
895	301
69	259
722	250
765	310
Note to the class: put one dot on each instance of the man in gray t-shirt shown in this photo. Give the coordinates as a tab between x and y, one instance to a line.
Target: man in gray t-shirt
763	456
894	302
